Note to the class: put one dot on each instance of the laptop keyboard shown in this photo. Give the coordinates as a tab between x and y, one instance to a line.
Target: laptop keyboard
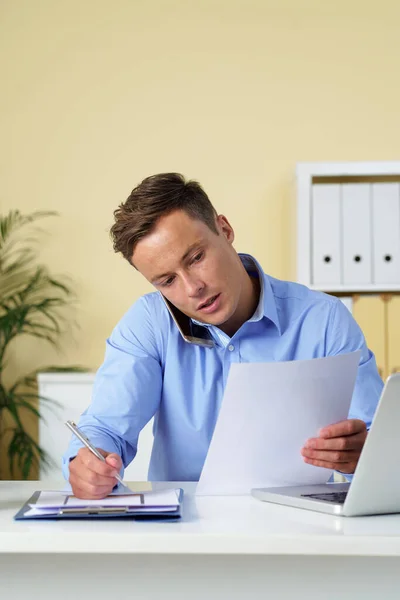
336	497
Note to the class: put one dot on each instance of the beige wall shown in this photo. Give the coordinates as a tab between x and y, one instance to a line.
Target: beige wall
97	95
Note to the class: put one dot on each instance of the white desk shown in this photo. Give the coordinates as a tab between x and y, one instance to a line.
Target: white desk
224	547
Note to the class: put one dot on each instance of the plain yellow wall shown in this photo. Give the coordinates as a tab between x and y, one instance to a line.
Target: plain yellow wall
98	95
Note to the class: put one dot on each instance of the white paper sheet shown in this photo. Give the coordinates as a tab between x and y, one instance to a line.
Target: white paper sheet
165	498
269	410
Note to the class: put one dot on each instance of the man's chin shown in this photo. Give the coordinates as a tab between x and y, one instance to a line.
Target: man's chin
216	319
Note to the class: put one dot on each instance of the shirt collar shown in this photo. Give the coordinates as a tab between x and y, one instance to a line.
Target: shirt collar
266	305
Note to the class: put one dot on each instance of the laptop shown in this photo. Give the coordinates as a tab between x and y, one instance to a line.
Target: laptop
375	488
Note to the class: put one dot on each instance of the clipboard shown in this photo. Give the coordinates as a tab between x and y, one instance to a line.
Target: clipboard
99	512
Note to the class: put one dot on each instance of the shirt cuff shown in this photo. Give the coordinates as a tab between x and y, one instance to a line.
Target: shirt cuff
347	476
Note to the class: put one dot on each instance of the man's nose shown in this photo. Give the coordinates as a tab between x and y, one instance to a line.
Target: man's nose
194	287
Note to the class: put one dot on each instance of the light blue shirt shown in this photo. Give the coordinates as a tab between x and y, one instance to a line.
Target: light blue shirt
149	370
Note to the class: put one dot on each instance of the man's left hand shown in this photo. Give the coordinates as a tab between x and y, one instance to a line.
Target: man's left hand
338	446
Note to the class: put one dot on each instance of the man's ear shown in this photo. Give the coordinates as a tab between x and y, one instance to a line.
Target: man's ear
225	228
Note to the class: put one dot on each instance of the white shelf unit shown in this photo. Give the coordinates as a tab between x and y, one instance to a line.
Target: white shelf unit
354	180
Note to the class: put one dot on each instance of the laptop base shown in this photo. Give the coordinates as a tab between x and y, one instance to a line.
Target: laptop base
327	498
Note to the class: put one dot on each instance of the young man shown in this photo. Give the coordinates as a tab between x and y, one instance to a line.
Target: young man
170	232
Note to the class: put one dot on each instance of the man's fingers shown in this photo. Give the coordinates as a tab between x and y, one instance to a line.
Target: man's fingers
114	461
86	491
90	485
343	428
335	456
338	446
94	464
91	477
348	467
353	442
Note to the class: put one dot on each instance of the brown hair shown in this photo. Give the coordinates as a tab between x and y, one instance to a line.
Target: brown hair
154	197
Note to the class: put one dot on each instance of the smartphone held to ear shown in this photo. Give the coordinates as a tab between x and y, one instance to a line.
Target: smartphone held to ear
184	325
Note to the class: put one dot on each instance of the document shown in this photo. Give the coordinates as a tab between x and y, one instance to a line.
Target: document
268	412
137	500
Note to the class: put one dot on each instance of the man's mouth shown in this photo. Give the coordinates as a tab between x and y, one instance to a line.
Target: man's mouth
210	303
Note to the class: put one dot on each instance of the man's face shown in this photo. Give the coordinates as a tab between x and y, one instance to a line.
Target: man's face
193	267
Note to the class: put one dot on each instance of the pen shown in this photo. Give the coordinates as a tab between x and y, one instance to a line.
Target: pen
82	437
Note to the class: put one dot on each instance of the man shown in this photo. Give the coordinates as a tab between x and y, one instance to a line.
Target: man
170	232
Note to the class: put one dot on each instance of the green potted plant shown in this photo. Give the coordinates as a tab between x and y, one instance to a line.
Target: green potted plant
32	303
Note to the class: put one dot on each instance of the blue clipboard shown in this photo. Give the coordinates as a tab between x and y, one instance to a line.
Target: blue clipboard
99	512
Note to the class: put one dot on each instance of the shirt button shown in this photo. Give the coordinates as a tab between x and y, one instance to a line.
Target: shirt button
231	348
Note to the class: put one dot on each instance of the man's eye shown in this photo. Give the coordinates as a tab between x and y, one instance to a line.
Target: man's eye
198	257
168	281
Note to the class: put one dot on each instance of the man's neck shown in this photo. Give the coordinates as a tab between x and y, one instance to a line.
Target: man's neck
247	305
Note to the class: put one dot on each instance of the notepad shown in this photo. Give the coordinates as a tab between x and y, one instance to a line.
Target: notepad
56	504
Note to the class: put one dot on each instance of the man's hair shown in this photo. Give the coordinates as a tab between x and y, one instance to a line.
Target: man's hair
153	198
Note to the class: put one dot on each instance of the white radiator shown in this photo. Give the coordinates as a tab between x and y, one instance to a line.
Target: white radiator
73	391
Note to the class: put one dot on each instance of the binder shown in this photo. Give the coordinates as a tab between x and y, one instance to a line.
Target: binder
386	232
326	266
357	238
98	511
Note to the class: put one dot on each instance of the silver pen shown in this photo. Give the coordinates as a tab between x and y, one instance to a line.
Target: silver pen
82	437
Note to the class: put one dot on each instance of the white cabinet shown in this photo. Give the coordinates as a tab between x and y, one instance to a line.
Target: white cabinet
72	392
348	226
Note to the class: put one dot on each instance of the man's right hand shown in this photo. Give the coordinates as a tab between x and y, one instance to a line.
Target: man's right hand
90	477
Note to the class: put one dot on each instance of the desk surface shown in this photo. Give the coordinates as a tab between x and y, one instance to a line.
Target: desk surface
210	525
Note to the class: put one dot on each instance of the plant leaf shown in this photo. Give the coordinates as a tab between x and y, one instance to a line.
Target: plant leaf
36	303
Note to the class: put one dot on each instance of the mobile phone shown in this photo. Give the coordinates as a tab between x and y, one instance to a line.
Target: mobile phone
187	329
